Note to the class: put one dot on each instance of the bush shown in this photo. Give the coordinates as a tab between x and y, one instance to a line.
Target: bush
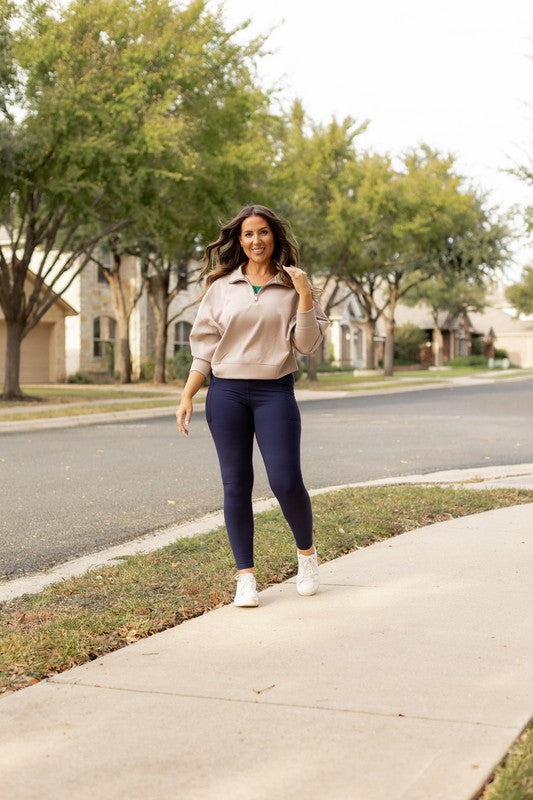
468	361
182	363
146	372
500	353
408	340
478	346
80	377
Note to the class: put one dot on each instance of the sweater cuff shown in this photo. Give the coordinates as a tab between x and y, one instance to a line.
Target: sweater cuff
200	365
306	319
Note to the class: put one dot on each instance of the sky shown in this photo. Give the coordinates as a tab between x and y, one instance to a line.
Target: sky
457	75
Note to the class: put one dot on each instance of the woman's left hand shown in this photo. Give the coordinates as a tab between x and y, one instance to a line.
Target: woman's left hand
299	279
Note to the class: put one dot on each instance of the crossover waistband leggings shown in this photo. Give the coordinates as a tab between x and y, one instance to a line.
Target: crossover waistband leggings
235	411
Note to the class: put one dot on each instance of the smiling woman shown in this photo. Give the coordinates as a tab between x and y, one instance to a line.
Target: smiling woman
258	309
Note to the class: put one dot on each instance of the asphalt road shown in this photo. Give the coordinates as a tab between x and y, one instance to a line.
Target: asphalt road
65	493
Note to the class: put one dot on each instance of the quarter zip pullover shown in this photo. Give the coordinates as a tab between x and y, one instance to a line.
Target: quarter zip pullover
239	333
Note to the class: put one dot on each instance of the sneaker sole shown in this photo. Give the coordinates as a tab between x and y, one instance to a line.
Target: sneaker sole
305	593
249	604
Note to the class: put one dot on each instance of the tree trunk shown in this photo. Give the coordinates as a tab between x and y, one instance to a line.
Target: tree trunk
124	353
388	354
123	319
313	361
161	335
12	390
370	330
438	345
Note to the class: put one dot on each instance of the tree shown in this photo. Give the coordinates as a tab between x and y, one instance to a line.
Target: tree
520	294
303	186
109	97
234	148
404	224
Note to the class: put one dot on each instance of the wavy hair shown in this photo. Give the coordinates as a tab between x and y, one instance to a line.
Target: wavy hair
226	254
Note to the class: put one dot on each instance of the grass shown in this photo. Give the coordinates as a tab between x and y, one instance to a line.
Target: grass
514	779
348	381
60	394
96	399
94	408
79	619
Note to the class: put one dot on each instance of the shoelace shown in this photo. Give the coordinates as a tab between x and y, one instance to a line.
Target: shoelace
245	583
306	568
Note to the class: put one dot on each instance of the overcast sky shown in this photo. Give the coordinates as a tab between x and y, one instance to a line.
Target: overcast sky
454	73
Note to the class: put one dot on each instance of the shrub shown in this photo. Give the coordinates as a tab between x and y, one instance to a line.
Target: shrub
147	369
80	377
408	340
182	363
468	361
500	352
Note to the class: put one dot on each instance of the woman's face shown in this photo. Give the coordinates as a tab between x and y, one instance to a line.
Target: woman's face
257	240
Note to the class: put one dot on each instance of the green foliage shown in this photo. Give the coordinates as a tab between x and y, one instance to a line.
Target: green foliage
500	352
80	377
468	361
139	118
520	294
407	342
448	292
182	363
146	371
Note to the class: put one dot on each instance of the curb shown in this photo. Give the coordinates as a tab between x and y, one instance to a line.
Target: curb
302	396
472	478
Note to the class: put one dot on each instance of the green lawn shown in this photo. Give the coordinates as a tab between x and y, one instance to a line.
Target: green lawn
79	619
44	395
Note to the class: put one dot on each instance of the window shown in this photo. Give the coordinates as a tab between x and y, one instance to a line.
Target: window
105	257
104	335
183	275
182	331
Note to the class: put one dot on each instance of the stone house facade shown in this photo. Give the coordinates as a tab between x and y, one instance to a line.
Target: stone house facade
91	335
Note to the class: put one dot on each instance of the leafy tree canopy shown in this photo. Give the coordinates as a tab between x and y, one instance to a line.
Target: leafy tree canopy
520	294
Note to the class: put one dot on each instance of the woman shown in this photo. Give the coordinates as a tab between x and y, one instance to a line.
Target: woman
257	308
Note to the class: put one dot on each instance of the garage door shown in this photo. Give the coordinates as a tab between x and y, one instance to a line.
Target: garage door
35	358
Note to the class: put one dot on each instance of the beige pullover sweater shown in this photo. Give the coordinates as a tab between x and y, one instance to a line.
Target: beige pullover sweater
240	334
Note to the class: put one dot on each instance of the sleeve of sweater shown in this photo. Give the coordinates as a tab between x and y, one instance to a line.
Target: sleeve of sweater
308	329
204	337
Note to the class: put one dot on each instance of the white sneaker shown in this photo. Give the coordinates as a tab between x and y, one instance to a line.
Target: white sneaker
246	595
308	578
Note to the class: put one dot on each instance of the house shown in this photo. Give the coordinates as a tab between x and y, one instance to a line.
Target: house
91	336
448	335
513	333
43	348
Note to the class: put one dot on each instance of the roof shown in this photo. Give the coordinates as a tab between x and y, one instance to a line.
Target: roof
68	310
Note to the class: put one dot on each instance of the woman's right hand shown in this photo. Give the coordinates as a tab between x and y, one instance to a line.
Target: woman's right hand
184	414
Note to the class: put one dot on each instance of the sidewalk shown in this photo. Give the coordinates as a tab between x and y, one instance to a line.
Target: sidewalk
405	678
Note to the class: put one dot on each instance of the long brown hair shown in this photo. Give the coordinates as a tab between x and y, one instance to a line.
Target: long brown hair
226	254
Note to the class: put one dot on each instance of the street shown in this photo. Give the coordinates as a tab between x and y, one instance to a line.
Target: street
69	492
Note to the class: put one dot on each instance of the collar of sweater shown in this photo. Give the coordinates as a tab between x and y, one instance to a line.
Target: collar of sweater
238	275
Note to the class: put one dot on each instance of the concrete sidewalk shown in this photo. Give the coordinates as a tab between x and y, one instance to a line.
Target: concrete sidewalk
407	677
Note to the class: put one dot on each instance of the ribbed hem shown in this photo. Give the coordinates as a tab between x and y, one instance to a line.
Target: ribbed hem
254	371
199	365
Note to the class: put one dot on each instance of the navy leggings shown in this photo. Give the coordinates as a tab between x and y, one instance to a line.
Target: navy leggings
235	411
